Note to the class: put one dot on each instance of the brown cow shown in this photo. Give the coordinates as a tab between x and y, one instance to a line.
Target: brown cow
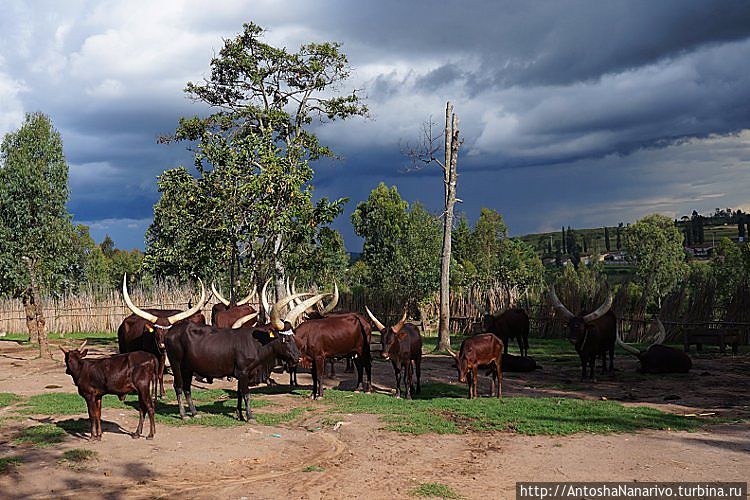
226	313
480	351
137	331
509	324
120	374
402	344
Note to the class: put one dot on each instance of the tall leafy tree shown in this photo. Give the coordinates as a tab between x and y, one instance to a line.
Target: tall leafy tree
654	246
36	235
253	152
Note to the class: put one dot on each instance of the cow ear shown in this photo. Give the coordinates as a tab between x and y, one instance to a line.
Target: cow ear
149	328
84	353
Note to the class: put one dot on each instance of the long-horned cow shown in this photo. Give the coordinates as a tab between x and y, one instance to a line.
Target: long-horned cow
592	334
658	358
137	331
402	345
226	313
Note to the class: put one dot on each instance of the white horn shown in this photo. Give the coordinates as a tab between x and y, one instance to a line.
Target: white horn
334	301
302	307
83	344
243	320
250	297
138	312
378	324
627	347
264	299
275	315
196	308
455	356
601	310
218	295
559	305
662	333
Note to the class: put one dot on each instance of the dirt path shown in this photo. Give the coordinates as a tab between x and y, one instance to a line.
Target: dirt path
359	459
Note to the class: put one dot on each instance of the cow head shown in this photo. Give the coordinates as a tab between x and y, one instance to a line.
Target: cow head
388	336
73	359
577	325
160	325
462	364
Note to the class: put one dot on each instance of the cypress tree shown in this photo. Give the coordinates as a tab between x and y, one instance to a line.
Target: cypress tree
619	241
741	225
606	238
564	241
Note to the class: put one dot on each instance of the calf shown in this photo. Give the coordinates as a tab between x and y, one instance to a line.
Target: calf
402	344
480	351
119	374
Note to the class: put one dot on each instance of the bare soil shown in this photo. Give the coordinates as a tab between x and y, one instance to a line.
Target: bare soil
359	459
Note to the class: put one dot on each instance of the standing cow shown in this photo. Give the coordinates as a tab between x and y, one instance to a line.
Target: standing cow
509	324
480	351
592	334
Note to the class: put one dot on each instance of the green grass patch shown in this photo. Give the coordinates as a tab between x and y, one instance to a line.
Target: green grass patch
8	398
7	462
443	409
313	468
64	403
78	455
94	338
278	418
41	436
434	490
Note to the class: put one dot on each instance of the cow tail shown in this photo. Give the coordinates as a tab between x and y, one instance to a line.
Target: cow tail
365	341
155	383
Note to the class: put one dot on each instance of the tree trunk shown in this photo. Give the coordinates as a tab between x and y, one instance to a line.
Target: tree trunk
279	270
38	313
451	159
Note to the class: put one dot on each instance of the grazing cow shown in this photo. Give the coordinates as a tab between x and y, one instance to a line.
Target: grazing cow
402	345
336	335
658	358
480	351
513	363
592	334
227	313
221	352
510	324
120	374
136	332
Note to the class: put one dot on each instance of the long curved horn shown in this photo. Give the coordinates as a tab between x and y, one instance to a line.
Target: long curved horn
83	344
196	308
302	307
378	324
264	299
481	309
275	315
662	333
218	295
138	312
400	324
559	305
243	320
627	347
600	311
455	356
331	305
250	297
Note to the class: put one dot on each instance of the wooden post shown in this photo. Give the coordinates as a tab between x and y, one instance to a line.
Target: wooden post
452	144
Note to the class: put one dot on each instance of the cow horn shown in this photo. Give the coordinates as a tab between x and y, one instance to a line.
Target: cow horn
559	305
401	322
481	309
662	333
218	295
64	350
455	356
138	312
378	324
331	305
83	344
249	297
601	310
264	299
627	347
243	320
302	307
275	314
195	309
289	292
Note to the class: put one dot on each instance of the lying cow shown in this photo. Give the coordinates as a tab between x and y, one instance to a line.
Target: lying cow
402	345
120	374
513	363
480	351
658	358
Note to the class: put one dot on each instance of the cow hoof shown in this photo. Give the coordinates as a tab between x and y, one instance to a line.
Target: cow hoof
149	438
398	396
135	436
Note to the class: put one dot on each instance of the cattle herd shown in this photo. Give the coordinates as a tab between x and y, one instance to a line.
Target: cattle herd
236	346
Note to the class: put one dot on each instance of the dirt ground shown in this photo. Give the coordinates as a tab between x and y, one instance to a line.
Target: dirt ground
359	459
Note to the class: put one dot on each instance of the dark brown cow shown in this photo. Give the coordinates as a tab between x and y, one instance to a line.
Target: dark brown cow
592	334
137	331
480	351
658	358
227	314
510	324
120	374
402	345
336	335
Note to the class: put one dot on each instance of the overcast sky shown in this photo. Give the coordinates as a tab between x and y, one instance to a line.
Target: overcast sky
572	113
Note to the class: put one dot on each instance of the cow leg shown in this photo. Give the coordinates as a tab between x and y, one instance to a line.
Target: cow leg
612	359
408	380
333	367
162	363
349	365
418	366
526	345
141	416
499	377
358	364
367	363
99	418
583	367
186	387
397	374
149	406
318	363
91	406
592	367
505	345
520	345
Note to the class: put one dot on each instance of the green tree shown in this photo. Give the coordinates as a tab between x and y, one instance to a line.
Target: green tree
253	153
730	266
654	247
486	242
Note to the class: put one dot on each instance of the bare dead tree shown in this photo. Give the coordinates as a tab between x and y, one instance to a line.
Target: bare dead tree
424	154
